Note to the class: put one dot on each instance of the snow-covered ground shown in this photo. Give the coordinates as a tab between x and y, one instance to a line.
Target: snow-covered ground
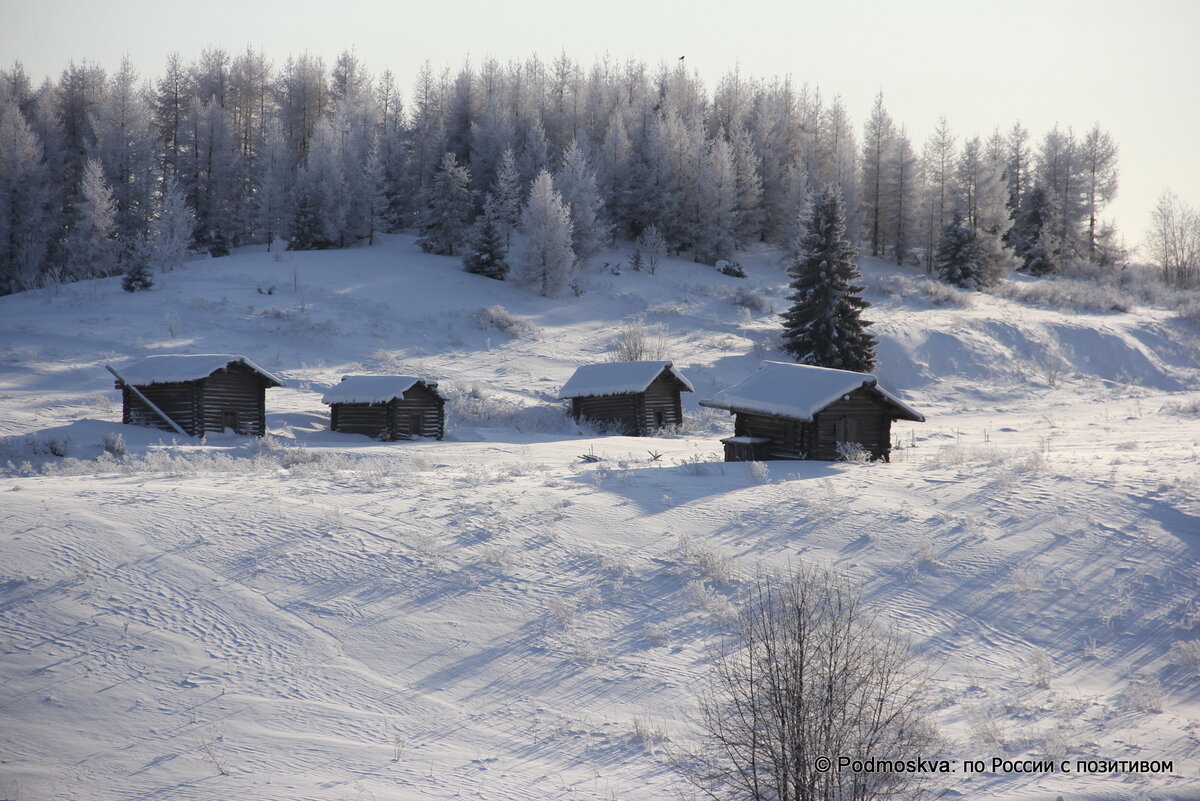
323	616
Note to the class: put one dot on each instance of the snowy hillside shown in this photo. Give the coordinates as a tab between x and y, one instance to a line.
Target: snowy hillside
324	616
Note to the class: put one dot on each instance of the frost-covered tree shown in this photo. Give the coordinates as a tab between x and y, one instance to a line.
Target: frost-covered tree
824	325
91	247
543	260
321	202
652	247
716	234
1174	241
1060	175
749	187
902	180
171	228
1098	157
879	136
937	162
506	189
447	208
486	252
576	183
24	199
982	203
124	147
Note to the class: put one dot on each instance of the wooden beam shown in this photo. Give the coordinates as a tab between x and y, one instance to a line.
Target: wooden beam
147	401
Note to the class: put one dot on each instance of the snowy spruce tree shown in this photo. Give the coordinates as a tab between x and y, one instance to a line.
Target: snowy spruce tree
957	260
487	247
824	326
446	209
543	260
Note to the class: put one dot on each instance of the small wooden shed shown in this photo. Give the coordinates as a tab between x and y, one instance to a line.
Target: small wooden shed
388	407
796	411
196	393
636	398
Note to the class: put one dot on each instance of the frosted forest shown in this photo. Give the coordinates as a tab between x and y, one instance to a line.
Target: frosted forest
108	174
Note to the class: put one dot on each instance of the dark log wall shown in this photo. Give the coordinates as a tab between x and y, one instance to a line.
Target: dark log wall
790	439
622	411
661	405
179	401
236	390
864	419
369	419
419	413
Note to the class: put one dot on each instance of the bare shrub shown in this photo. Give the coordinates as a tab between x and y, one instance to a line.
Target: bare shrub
1186	655
1144	695
852	452
506	322
114	443
809	674
638	342
1042	669
746	298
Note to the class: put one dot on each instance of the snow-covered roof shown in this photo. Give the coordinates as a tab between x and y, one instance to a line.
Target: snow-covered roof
799	391
617	378
374	388
177	367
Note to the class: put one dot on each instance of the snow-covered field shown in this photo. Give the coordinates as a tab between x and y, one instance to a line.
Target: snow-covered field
323	616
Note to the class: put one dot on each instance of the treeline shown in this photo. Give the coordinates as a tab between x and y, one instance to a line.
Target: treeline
104	174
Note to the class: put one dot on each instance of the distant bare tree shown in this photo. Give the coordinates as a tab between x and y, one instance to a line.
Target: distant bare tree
809	675
1174	241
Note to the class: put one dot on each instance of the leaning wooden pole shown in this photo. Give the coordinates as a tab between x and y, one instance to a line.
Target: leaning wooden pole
147	401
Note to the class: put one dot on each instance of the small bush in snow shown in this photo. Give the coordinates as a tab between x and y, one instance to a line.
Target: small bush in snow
503	320
1145	695
706	560
699	465
1186	655
656	634
750	300
1190	406
1041	668
649	733
114	443
562	610
732	269
759	472
638	342
852	452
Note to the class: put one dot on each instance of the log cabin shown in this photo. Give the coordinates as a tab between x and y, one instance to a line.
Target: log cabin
633	398
797	411
387	407
195	394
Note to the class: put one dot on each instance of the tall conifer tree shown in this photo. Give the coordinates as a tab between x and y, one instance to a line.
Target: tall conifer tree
824	326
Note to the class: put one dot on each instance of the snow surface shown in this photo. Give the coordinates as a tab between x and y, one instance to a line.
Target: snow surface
786	389
175	367
373	388
317	615
617	378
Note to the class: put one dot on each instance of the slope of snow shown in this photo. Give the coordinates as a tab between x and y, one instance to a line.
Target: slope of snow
324	616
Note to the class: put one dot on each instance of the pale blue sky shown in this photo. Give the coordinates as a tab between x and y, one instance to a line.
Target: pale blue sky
1133	67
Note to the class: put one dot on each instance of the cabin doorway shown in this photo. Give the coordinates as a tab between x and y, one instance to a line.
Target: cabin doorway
229	422
416	424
